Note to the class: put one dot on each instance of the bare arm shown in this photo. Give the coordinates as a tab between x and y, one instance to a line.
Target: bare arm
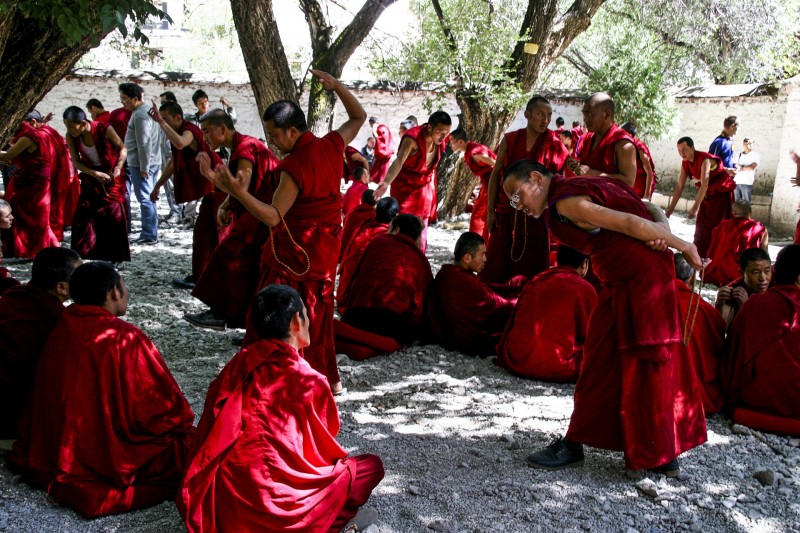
179	141
626	164
407	147
648	170
166	174
676	195
360	159
765	240
76	161
485	159
117	143
355	113
705	169
23	144
494	184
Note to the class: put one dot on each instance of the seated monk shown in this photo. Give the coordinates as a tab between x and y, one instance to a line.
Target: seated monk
352	198
705	345
466	314
545	335
265	456
385	210
388	299
363	213
106	427
755	268
729	239
762	369
6	219
28	313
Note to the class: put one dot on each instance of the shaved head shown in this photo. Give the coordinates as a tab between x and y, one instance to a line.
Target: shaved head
741	208
601	101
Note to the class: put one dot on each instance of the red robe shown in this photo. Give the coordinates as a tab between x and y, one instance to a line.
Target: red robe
414	185
358	344
477	221
355	250
6	281
315	222
545	336
352	197
465	313
390	298
383	153
29	195
100	226
630	395
762	369
641	176
106	429
797	233
265	456
119	119
350	164
230	278
358	217
27	316
103	117
728	240
518	245
705	347
65	186
603	156
716	205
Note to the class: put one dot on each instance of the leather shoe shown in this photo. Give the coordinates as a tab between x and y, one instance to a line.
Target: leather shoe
206	320
183	283
560	454
670	469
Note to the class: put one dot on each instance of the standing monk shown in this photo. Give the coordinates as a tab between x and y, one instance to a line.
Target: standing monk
518	245
96	110
645	167
714	197
99	227
480	161
414	170
305	216
625	398
383	150
119	119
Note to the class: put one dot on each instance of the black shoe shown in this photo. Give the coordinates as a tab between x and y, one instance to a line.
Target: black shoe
237	340
206	320
670	469
146	241
183	283
560	454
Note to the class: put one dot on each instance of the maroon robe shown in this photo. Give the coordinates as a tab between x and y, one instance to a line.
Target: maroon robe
630	395
355	250
603	156
27	316
728	240
545	336
119	118
358	344
106	429
477	221
352	197
383	153
359	216
640	185
762	369
100	226
518	245
716	205
350	164
103	117
29	195
230	278
6	281
65	186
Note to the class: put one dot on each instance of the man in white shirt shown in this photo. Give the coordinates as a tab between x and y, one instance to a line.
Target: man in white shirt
746	171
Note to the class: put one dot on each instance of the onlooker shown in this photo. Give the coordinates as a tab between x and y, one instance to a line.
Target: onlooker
200	101
368	151
746	171
722	145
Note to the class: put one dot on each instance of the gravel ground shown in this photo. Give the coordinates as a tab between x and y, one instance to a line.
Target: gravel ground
453	432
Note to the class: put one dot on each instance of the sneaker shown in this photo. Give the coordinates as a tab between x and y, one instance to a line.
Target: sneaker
670	469
145	240
560	454
206	319
183	283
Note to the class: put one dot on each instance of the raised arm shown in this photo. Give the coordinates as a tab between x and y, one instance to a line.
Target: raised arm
355	113
179	141
360	159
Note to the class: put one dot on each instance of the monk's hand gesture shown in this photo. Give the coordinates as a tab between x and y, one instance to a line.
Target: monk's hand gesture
154	114
227	182
739	294
380	191
224	214
325	79
204	161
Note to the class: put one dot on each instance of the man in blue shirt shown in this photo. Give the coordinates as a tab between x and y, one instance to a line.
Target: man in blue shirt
722	146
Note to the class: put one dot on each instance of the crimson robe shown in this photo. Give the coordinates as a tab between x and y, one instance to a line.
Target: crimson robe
728	240
630	395
518	245
315	224
762	369
640	184
27	316
352	197
6	281
359	216
603	156
65	186
414	185
265	456
477	221
119	118
355	250
29	195
106	429
716	205
230	277
358	344
389	297
466	314
383	153
100	225
103	117
797	233
545	335
350	164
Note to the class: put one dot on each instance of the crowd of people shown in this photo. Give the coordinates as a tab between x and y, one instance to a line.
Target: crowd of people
567	274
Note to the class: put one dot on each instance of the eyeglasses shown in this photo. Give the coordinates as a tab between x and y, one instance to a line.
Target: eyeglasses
513	200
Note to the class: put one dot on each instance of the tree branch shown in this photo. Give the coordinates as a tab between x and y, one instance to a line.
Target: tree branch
354	34
318	27
576	59
450	40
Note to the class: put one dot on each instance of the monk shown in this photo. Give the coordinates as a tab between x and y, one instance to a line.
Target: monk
97	111
466	314
353	160
231	276
106	427
480	160
385	211
265	456
546	333
305	215
6	221
119	119
99	227
755	269
519	245
359	216
384	150
625	398
390	285
352	198
729	239
186	141
28	313
29	193
646	178
762	369
413	173
714	197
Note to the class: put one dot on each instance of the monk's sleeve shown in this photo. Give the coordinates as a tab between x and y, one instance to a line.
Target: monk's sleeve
736	365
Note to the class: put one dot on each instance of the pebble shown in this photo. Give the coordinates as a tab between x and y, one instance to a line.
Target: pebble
729	502
765	477
648	487
794	442
414	490
705	502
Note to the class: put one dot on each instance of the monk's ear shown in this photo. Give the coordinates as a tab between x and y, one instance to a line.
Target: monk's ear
62	289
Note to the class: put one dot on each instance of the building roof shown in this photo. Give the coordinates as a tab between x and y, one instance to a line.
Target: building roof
723	91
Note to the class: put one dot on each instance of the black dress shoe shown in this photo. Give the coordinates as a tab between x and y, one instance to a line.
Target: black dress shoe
206	320
670	469
560	454
183	283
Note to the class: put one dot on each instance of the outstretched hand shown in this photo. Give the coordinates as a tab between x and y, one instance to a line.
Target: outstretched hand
230	184
380	191
327	81
154	114
205	166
